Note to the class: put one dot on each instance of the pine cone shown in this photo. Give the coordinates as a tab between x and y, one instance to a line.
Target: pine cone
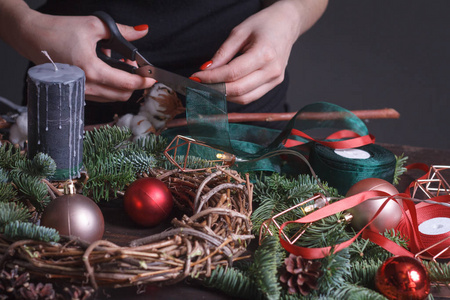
300	275
14	285
38	291
11	282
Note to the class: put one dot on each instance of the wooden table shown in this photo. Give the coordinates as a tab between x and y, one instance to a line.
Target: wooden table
120	230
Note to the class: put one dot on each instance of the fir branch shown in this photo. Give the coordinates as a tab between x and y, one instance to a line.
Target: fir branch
112	160
7	191
286	296
11	212
363	272
336	268
9	156
438	271
35	190
276	193
397	237
325	232
192	162
42	166
259	280
399	167
233	282
138	160
152	144
25	230
106	178
105	140
363	249
355	292
4	175
264	270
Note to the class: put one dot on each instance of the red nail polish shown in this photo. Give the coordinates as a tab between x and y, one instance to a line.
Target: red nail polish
195	79
206	65
141	27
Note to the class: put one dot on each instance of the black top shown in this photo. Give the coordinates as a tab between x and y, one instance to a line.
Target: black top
182	36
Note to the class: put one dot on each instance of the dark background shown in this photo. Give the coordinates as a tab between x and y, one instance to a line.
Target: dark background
362	54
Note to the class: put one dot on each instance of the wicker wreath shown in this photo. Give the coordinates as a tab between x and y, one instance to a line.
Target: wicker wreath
215	234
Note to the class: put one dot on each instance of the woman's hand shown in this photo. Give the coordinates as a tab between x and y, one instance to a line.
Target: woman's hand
73	40
253	59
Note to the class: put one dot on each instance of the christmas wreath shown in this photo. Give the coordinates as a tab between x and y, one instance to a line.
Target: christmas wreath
213	232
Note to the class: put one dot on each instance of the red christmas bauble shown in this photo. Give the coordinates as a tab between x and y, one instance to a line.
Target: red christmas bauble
75	215
148	201
403	277
362	213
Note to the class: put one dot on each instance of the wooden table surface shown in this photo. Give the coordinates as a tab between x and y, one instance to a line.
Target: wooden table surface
120	230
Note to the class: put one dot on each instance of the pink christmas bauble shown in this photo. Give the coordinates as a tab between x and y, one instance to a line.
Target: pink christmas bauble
148	201
75	215
362	213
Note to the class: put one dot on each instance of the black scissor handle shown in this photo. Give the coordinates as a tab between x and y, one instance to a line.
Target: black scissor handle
116	63
116	42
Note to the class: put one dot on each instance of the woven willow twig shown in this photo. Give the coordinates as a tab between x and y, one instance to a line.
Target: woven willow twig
216	235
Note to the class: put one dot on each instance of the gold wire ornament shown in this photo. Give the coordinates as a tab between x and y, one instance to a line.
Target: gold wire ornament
319	201
171	152
434	185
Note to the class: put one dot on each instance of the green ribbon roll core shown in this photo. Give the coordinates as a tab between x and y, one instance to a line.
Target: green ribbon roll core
343	172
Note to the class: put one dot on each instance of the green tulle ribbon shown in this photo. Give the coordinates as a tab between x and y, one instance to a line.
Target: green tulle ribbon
208	122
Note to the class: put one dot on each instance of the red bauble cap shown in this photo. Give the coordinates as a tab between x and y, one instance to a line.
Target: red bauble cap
148	201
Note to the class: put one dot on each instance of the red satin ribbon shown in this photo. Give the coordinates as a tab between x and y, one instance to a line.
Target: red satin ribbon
350	139
413	216
316	253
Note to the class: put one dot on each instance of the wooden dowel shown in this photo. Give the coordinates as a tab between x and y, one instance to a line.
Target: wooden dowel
385	113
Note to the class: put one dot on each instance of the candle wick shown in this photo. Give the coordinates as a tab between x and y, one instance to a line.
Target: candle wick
50	59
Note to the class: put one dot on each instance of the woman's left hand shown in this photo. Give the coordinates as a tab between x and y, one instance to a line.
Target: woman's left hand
264	42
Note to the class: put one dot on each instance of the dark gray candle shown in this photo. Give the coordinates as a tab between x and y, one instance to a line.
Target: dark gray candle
56	116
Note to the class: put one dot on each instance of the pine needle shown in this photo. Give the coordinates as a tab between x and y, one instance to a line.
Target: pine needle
356	292
9	156
259	280
11	212
42	165
264	270
399	167
7	191
35	190
234	283
438	271
24	230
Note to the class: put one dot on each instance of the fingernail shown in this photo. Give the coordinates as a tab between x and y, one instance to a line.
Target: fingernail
206	65
195	79
141	27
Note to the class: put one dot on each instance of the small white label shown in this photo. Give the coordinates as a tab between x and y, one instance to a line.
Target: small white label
435	226
352	153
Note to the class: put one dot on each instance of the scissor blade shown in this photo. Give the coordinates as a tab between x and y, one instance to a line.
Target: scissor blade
177	82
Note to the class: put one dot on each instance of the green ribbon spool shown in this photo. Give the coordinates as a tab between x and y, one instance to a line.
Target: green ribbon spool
342	169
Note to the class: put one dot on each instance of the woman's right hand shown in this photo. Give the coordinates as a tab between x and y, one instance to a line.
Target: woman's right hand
73	40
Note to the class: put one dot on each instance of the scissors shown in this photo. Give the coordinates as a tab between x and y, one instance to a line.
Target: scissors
120	45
